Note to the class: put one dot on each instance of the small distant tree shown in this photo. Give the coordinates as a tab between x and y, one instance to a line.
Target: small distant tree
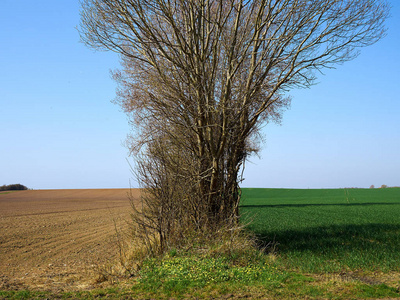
372	186
384	186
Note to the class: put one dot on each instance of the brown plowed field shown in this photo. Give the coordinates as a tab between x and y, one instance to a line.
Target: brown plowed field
57	239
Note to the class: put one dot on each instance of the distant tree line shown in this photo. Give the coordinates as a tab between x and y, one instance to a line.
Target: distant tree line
383	186
13	187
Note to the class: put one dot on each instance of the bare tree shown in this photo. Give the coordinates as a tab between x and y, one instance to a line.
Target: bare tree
200	77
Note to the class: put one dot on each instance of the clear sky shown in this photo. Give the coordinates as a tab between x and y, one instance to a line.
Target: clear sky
59	128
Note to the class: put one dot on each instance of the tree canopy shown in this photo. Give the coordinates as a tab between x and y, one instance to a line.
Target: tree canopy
200	77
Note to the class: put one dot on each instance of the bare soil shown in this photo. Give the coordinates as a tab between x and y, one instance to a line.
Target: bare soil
58	239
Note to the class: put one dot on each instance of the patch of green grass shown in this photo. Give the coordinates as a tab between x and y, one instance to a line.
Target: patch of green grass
109	293
213	277
166	279
24	294
204	278
174	275
365	291
192	275
328	230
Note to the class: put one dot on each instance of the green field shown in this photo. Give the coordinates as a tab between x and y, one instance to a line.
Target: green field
328	230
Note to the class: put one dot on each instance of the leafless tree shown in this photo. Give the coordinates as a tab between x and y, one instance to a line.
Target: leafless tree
199	78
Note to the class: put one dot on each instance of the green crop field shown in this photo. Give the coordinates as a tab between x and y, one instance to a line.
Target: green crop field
327	230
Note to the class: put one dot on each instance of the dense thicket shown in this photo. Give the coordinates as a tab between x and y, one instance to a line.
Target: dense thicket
12	187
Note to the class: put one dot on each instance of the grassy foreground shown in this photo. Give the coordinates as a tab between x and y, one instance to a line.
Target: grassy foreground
320	244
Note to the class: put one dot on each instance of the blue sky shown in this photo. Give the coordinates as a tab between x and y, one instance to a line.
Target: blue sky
59	128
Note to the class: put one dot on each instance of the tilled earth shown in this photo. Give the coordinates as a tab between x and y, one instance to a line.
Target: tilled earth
58	239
